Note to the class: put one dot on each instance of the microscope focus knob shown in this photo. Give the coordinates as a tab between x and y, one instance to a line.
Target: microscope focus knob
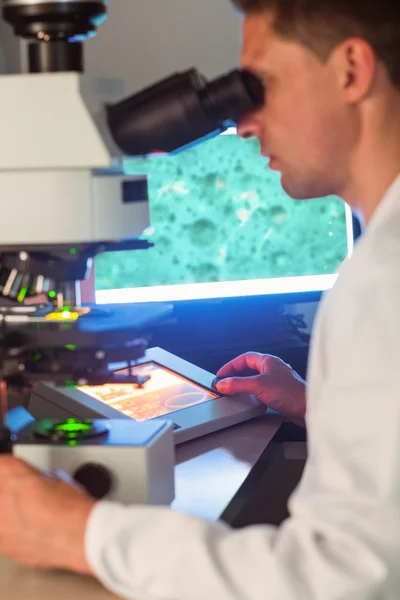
96	479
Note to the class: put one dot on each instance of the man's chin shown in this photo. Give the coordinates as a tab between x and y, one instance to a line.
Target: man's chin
299	191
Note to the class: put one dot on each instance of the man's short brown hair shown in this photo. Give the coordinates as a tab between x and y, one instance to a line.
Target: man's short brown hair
320	25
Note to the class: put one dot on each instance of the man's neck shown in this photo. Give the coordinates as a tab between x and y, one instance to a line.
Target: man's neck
375	164
366	196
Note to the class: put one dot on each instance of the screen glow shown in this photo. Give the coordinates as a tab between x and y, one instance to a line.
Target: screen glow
165	392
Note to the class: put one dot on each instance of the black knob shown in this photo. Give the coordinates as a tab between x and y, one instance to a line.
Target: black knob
96	479
5	441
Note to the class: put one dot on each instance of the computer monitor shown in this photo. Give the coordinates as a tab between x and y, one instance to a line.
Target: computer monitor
222	226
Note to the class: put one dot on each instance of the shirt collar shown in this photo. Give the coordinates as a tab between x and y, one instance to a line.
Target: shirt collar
389	205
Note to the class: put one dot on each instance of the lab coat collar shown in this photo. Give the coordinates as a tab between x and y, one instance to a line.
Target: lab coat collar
388	206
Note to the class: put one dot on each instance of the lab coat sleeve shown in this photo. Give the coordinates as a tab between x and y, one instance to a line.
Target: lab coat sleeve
342	540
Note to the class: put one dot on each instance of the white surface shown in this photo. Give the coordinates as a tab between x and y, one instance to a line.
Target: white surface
56	120
53	136
209	471
82	212
111	218
342	539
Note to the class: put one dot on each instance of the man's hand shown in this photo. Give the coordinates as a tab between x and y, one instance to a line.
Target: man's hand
276	384
42	518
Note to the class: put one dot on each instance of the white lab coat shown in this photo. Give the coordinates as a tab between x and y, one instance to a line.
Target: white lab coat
342	541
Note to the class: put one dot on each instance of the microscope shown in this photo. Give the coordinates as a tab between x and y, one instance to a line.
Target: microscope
66	198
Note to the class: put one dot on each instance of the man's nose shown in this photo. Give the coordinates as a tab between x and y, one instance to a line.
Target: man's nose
248	127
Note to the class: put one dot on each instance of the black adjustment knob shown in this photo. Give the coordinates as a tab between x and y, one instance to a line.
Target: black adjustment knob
95	478
5	441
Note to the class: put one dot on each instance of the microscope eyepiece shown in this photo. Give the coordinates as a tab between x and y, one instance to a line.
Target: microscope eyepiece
231	96
181	110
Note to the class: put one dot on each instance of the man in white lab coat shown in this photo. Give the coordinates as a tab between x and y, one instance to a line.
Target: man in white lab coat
330	125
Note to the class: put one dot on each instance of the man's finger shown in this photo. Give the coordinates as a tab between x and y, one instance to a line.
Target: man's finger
250	360
239	385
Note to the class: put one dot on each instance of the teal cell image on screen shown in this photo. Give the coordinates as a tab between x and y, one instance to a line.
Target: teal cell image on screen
220	216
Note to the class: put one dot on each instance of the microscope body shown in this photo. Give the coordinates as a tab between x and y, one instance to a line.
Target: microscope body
64	195
64	198
61	174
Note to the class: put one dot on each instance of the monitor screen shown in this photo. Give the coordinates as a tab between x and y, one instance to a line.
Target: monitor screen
165	392
222	226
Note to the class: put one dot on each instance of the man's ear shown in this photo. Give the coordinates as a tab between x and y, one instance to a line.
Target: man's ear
355	62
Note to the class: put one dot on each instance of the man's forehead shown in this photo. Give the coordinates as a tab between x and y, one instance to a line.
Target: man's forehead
264	50
257	39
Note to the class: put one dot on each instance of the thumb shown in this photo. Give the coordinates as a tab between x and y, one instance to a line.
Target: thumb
239	385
